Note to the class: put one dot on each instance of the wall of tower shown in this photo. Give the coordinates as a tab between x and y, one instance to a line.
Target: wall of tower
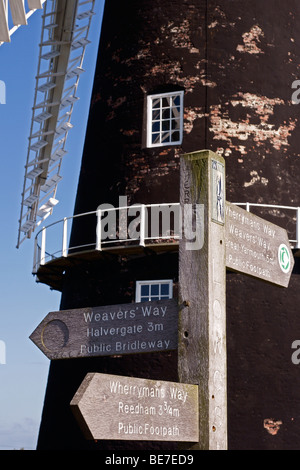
146	47
236	63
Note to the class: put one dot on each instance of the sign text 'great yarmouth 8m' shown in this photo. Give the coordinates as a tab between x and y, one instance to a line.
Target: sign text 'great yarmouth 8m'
110	330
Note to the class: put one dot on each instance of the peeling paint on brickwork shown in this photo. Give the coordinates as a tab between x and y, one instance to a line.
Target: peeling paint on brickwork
180	35
172	69
267	129
190	116
224	128
272	426
220	19
251	41
255	178
116	103
262	105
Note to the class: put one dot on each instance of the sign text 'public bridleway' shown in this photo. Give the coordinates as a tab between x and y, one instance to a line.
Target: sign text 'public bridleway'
110	330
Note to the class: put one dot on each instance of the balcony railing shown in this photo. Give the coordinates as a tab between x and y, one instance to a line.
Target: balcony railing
112	227
292	212
119	227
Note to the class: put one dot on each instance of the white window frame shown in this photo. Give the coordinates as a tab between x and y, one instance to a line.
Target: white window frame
139	285
160	121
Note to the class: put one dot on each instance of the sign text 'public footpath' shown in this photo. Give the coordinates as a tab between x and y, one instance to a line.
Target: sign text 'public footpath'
126	408
110	330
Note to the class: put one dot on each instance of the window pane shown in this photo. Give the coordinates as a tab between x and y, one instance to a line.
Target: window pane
175	113
166	113
155	138
175	136
176	100
144	290
154	289
165	102
164	289
175	124
156	114
156	126
144	299
156	103
165	137
165	125
155	298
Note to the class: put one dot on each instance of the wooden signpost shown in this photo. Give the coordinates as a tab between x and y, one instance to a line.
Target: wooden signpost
202	315
110	330
233	238
256	247
217	235
126	408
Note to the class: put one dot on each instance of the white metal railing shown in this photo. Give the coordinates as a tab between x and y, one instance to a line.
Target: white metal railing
122	231
296	210
123	223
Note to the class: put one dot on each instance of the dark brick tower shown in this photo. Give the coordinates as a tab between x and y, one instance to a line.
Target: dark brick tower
208	75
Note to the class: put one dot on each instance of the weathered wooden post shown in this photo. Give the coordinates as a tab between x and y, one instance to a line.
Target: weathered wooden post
202	294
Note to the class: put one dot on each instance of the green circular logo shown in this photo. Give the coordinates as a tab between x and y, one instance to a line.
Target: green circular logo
284	258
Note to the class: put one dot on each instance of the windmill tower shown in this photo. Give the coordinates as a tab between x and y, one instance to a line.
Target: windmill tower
174	77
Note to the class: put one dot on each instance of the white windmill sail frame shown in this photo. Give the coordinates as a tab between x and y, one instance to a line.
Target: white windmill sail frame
20	13
64	37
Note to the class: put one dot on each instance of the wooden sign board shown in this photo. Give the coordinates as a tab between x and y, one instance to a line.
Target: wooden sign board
126	408
257	247
110	330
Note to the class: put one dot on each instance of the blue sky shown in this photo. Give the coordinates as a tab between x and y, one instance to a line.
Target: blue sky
23	302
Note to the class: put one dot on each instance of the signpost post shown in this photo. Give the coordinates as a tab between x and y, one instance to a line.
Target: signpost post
110	330
235	239
125	408
202	314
